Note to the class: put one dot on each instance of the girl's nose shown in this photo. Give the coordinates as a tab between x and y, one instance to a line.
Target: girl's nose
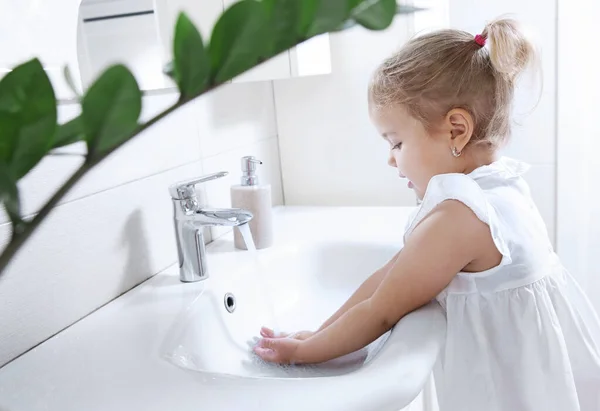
392	161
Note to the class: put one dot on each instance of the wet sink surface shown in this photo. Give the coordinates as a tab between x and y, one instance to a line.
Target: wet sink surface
289	288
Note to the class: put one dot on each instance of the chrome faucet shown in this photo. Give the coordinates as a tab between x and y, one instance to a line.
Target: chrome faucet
190	220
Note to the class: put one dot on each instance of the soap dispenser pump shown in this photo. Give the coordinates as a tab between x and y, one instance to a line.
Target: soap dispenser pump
256	198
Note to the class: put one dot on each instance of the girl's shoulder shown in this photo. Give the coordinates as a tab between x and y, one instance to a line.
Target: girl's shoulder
474	191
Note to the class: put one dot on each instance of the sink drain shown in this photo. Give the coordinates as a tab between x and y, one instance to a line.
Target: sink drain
229	301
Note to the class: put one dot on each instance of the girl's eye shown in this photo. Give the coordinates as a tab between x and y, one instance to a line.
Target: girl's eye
397	146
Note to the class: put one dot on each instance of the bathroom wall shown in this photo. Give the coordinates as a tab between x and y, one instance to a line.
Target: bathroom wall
578	145
331	154
114	229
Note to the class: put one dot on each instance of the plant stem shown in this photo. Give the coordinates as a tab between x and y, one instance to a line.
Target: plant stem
19	238
29	228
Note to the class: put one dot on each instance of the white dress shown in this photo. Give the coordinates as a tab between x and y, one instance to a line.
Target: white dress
521	336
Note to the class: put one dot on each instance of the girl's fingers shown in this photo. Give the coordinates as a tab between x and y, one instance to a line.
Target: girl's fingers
266	353
267	332
268	343
253	342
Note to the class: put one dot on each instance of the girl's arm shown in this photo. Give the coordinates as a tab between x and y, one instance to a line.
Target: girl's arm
448	240
365	291
440	247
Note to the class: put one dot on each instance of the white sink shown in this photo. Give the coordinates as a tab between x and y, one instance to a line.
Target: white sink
303	284
169	345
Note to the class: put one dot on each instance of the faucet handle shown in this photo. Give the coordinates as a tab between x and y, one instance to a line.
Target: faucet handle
184	190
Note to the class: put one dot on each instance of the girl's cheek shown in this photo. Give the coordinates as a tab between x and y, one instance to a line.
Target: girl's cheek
398	156
400	160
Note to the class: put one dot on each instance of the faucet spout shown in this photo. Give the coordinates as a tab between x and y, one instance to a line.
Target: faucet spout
222	217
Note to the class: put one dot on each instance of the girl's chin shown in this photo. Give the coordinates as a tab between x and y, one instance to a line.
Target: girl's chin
419	194
411	186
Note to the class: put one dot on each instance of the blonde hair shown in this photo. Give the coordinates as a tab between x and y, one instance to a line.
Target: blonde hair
447	69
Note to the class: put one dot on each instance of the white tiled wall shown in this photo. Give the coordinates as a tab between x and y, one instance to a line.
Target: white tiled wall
330	152
115	229
578	144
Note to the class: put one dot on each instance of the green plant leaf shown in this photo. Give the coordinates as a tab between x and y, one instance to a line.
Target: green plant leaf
307	14
293	21
27	117
401	9
322	16
239	41
348	24
191	67
69	133
284	20
352	4
110	109
375	14
9	194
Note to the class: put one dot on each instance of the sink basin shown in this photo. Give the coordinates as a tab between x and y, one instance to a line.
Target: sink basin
168	345
289	288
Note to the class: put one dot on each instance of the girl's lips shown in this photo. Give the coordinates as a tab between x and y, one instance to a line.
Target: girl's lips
411	185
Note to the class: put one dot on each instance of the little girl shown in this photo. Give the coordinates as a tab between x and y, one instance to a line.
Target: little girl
521	335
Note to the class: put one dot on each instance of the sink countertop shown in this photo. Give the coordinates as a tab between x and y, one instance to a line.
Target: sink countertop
111	359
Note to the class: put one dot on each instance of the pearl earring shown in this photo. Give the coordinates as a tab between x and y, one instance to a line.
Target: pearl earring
455	152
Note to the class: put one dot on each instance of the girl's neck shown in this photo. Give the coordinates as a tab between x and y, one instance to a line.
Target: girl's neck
478	157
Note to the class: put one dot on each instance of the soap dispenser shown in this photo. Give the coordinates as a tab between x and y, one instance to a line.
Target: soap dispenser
255	198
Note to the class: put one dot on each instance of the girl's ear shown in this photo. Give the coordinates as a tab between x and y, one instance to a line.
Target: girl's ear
460	123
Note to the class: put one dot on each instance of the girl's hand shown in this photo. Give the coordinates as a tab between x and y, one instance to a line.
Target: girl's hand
300	335
278	350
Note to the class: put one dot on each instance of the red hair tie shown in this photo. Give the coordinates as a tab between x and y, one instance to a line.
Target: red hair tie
479	39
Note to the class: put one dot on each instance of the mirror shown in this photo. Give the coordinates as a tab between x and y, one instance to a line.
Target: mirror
121	31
